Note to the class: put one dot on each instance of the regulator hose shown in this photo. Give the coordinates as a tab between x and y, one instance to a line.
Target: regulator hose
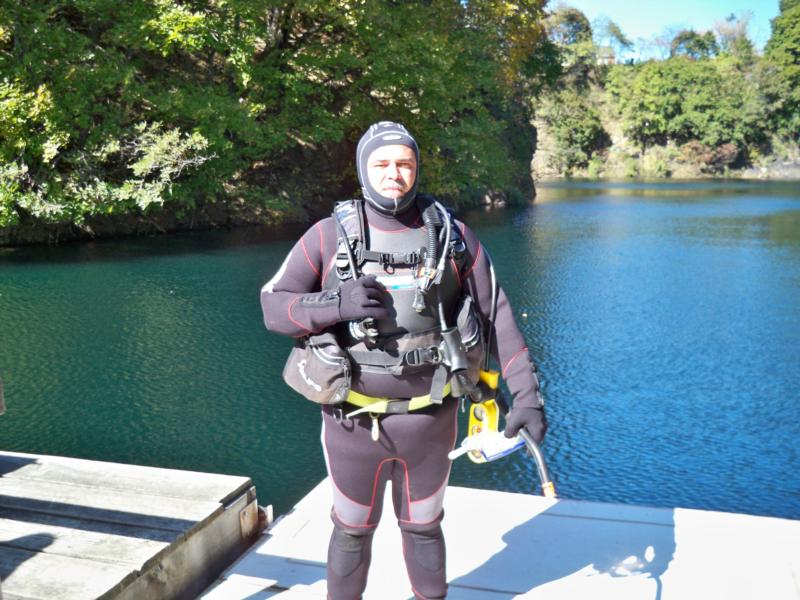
432	220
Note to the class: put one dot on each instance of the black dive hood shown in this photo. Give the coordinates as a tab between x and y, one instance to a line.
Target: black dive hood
385	133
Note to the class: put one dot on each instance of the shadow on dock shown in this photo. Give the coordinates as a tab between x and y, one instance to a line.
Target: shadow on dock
9	464
554	545
29	544
90	518
17	551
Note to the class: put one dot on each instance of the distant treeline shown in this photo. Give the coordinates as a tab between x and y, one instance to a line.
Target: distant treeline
123	116
713	106
250	109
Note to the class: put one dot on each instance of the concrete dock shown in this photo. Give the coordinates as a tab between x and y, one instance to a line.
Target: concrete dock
74	529
503	546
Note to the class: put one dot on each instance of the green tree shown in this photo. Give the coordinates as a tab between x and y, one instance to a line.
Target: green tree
694	45
783	51
680	100
608	34
570	30
173	106
618	40
575	126
733	38
568	26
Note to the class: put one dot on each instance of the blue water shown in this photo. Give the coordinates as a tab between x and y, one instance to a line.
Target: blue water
663	317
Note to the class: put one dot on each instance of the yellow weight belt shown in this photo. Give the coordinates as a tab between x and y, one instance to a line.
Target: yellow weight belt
371	404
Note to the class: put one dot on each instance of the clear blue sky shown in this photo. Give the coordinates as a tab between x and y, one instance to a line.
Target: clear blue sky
645	20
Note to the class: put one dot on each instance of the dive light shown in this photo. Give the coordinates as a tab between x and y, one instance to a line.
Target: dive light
484	417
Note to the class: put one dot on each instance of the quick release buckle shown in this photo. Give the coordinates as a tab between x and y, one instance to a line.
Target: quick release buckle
423	356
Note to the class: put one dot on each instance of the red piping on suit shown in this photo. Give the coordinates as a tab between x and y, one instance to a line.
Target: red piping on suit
455	269
513	358
475	262
303	246
289	310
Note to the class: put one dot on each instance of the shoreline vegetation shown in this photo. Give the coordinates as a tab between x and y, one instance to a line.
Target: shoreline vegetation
710	107
182	115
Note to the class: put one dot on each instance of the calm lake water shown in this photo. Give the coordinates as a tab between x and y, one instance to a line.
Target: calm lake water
663	316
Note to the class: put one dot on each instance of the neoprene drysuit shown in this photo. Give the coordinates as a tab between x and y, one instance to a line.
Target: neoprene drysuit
411	449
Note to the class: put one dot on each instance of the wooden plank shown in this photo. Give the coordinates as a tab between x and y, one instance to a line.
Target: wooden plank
111	542
92	504
169	483
73	529
161	570
44	576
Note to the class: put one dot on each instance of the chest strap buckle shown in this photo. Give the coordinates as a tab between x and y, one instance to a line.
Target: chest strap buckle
387	258
423	356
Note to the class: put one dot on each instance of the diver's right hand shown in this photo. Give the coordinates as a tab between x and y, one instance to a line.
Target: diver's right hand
362	298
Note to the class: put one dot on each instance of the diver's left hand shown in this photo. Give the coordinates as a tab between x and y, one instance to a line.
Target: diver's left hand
532	419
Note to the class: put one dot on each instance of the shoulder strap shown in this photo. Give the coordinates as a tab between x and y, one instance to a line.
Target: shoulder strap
458	248
348	216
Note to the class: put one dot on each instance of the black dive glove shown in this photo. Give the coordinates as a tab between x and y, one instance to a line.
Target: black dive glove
362	298
532	419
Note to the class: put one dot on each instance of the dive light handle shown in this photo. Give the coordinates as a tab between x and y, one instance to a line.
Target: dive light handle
548	489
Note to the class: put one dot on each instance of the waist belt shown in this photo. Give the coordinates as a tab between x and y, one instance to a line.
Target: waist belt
372	404
418	357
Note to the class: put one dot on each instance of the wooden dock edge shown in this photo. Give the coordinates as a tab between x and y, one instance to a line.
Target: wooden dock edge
184	570
117	531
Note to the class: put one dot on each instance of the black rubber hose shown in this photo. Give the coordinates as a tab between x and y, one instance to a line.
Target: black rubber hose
430	217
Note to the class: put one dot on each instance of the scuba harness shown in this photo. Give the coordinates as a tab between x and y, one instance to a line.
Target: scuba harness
453	350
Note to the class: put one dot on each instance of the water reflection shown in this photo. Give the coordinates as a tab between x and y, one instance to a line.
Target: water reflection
571	189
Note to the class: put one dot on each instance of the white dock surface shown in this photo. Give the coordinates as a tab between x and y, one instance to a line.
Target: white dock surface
503	546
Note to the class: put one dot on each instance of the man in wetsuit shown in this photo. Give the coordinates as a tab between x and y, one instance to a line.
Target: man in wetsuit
409	446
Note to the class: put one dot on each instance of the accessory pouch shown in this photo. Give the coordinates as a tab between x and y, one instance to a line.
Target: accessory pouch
319	369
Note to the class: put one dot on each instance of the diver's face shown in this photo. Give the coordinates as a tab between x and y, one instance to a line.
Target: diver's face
392	170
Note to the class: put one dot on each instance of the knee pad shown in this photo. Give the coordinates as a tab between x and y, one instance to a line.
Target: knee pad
427	548
347	551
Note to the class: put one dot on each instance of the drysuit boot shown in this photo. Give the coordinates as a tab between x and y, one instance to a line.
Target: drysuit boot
349	555
424	554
